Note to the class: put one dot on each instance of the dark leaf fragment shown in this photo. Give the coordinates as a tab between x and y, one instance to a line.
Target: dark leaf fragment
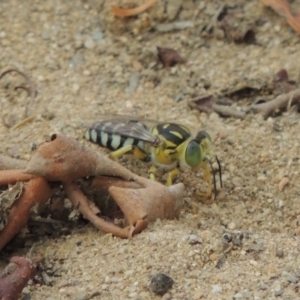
169	57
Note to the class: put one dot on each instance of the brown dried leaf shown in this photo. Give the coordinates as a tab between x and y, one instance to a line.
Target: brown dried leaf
203	103
281	83
169	57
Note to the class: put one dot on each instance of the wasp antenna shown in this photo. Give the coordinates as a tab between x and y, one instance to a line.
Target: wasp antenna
220	171
214	178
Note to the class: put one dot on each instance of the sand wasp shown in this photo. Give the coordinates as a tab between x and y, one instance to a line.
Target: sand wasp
170	146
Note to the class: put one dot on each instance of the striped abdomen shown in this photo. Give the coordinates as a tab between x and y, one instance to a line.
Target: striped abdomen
106	134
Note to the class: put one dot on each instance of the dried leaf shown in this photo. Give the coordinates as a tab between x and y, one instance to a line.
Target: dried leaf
203	103
169	57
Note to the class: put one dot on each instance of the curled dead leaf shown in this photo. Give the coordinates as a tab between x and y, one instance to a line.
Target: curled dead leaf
169	57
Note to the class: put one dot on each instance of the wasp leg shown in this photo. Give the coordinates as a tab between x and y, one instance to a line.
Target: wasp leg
124	150
121	151
171	175
152	172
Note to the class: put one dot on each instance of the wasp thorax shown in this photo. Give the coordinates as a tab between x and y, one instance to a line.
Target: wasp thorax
193	154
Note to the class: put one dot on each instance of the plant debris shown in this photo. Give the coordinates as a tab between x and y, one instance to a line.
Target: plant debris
211	103
169	57
117	11
29	87
15	277
140	200
225	104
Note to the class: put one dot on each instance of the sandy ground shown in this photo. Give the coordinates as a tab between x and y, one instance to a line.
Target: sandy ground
84	63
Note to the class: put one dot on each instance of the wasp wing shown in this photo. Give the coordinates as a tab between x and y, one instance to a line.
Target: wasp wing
126	126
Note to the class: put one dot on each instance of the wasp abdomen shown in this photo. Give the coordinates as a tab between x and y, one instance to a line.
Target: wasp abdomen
111	141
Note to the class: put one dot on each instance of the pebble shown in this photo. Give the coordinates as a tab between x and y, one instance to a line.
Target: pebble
179	97
216	288
231	225
161	283
277	290
237	296
173	8
193	239
76	60
98	36
134	80
89	43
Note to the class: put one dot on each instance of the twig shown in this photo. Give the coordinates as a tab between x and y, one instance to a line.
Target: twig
279	102
133	11
228	111
29	88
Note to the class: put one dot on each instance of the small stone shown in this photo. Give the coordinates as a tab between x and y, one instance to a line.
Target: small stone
193	239
216	288
75	88
161	283
279	253
237	296
149	85
173	8
293	279
89	43
134	80
98	36
46	35
231	225
76	60
253	262
277	290
178	97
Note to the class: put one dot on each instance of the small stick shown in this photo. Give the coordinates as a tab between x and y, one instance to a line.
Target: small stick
280	101
228	111
133	11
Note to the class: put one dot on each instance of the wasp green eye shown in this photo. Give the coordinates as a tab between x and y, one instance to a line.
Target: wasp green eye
193	154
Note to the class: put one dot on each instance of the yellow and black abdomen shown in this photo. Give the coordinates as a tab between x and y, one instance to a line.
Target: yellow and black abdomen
106	134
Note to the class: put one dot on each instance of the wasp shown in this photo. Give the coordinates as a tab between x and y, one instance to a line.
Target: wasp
170	146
